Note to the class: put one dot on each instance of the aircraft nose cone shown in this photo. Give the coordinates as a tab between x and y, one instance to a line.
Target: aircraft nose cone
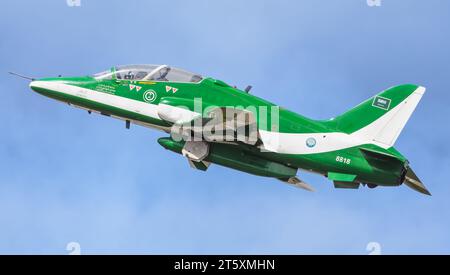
42	86
33	85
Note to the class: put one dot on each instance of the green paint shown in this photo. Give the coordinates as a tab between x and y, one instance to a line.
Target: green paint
341	177
367	162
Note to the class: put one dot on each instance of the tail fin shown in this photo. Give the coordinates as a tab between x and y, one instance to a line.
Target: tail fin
381	118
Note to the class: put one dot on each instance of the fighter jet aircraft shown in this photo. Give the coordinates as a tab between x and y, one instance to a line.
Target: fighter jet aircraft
211	122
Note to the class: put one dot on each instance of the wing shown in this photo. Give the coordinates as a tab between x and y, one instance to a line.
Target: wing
220	125
224	136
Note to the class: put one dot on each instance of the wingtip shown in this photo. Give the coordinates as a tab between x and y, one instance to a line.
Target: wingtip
420	90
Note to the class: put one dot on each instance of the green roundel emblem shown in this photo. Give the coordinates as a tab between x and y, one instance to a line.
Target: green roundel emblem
149	96
311	142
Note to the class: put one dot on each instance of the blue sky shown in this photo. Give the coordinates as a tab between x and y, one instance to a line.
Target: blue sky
66	176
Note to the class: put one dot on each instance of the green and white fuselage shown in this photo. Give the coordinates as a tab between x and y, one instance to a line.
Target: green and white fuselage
352	149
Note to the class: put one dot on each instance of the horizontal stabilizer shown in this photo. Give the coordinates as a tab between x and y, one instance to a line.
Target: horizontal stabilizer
412	181
346	184
341	180
341	177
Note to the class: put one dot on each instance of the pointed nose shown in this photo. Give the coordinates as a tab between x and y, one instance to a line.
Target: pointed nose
33	85
44	87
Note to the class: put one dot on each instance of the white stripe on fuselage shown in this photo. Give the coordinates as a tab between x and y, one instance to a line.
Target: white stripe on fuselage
294	143
284	143
382	132
135	106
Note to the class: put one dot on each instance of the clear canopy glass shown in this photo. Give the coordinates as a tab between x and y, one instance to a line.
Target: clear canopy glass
149	73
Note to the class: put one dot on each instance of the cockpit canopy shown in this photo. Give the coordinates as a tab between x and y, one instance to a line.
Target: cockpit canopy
149	73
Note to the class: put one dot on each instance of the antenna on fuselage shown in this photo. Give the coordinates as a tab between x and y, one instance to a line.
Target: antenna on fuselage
247	90
22	76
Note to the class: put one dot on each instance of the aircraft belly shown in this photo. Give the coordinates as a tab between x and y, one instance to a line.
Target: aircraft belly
345	161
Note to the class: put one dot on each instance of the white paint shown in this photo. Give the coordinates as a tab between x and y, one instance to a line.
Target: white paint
149	96
123	103
385	130
294	143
